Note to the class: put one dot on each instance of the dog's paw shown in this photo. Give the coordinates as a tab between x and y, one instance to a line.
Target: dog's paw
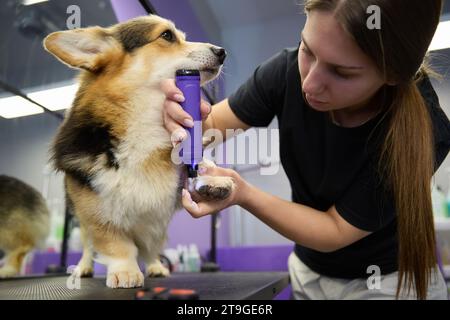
83	271
125	279
157	269
124	275
7	272
213	188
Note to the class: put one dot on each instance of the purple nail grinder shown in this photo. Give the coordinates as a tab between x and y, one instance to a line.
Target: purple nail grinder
188	81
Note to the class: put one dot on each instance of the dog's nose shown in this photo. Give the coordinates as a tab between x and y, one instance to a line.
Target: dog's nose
220	53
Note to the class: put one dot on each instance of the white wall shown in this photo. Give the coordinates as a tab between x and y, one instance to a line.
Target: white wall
248	46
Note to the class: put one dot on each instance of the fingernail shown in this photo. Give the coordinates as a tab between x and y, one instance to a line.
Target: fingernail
188	123
194	205
202	170
179	97
184	192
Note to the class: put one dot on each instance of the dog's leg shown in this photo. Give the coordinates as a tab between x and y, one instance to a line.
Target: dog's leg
154	266
156	269
13	261
212	188
85	267
119	253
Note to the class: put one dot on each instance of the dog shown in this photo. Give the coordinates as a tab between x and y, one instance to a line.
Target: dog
113	147
24	223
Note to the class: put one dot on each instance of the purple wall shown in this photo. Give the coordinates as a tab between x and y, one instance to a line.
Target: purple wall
183	16
125	9
183	229
254	258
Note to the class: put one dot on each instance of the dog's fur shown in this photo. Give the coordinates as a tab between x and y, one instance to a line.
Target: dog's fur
24	223
113	147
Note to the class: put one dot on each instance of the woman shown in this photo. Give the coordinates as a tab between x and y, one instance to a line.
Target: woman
361	134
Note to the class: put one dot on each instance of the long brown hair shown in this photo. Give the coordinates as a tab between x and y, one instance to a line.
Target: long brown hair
406	162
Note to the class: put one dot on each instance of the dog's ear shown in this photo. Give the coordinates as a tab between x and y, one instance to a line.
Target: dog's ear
86	48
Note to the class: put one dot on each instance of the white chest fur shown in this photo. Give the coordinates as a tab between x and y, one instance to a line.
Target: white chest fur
134	191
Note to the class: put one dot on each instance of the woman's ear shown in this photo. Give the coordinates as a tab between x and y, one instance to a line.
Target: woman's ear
85	48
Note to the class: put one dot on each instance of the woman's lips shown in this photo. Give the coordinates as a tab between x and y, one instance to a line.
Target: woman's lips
314	100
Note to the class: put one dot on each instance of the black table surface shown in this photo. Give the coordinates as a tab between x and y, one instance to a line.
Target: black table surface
209	286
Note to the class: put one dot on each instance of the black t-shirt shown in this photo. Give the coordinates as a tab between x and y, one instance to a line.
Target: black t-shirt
327	164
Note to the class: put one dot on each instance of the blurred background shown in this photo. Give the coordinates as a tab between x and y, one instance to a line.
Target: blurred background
250	30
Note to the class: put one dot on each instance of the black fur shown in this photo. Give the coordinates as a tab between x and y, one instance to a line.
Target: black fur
131	35
17	195
84	137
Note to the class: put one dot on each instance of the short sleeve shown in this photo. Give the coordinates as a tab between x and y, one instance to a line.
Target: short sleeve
367	204
257	100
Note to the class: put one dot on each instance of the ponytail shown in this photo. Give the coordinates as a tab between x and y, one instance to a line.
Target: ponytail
407	162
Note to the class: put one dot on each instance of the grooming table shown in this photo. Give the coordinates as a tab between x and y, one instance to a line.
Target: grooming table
209	286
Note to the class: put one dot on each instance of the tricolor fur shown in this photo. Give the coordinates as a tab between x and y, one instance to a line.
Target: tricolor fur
113	147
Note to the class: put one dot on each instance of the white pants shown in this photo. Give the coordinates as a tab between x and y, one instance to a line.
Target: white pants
307	284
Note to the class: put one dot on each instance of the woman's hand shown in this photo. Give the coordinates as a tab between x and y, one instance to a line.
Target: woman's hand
175	118
198	207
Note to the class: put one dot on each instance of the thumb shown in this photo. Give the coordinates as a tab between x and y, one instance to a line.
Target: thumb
196	209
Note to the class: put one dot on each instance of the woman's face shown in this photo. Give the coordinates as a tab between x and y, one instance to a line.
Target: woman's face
335	73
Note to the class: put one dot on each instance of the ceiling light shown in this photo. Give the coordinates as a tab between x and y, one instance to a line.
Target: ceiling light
441	39
31	2
13	107
57	98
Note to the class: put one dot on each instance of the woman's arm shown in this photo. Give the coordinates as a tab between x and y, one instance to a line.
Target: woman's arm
322	231
223	118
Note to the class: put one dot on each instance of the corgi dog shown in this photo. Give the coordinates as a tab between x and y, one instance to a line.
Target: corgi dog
113	147
24	223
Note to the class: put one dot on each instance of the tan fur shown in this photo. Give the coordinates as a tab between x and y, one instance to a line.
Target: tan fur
18	238
113	146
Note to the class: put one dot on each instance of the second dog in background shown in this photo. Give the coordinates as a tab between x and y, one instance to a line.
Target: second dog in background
24	223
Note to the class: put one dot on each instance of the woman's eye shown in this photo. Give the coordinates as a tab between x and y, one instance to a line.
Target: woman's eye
168	36
342	76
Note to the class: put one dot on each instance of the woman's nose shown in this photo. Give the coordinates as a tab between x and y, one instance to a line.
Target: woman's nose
313	83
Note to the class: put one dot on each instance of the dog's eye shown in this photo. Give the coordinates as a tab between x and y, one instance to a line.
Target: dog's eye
168	36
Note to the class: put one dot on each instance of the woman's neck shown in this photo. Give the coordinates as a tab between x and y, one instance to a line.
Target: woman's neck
358	115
